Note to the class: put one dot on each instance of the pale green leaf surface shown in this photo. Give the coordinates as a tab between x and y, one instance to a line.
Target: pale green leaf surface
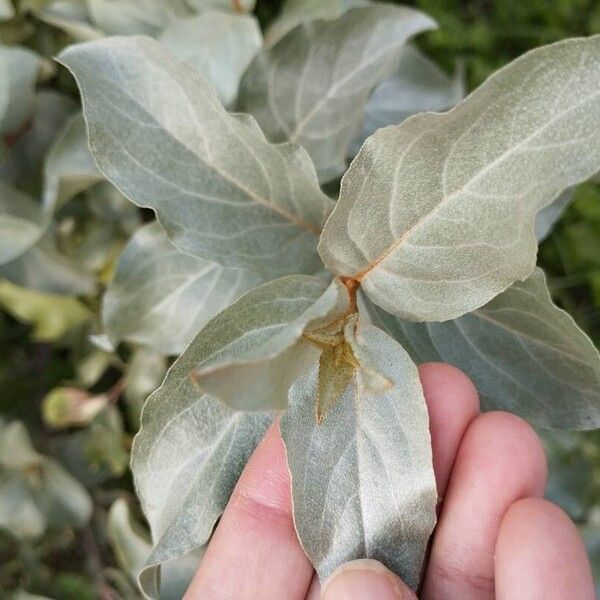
25	158
18	74
16	450
51	316
22	222
36	492
524	354
250	353
186	460
129	541
418	85
145	372
72	17
296	12
220	45
44	268
69	166
362	482
548	216
222	192
312	87
132	17
436	215
7	10
171	580
63	500
161	297
236	6
19	513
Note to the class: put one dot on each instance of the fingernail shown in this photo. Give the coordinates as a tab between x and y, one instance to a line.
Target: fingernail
363	580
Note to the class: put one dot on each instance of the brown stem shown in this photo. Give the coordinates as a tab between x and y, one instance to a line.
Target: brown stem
352	286
237	6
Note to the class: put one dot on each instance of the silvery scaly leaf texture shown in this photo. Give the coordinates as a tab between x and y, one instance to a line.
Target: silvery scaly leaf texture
436	215
250	353
161	297
524	354
362	481
186	459
311	88
220	45
221	191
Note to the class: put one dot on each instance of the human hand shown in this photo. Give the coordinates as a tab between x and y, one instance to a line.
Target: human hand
496	537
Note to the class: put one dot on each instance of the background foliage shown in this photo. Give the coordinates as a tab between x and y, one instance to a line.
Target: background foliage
45	363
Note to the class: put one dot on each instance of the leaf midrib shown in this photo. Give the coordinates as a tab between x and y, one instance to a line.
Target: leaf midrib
423	220
301	223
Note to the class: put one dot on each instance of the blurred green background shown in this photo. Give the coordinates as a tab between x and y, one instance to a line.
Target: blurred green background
78	564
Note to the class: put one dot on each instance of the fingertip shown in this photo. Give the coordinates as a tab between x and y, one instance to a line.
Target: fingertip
522	451
450	383
539	553
364	579
453	403
264	487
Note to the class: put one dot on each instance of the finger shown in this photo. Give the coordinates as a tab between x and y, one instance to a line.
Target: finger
452	402
500	461
314	591
365	580
255	553
539	555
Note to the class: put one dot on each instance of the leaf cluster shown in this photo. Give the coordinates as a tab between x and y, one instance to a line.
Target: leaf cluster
276	206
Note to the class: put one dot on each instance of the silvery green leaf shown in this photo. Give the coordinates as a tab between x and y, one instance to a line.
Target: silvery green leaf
222	192
19	514
250	353
161	297
296	12
186	459
129	541
145	372
63	500
131	17
435	215
50	316
220	45
236	6
22	222
106	202
524	354
45	269
177	574
25	158
311	88
362	482
18	75
36	491
418	85
548	216
7	10
69	166
132	547
72	17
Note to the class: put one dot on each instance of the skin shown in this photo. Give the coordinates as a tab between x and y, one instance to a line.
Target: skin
496	537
